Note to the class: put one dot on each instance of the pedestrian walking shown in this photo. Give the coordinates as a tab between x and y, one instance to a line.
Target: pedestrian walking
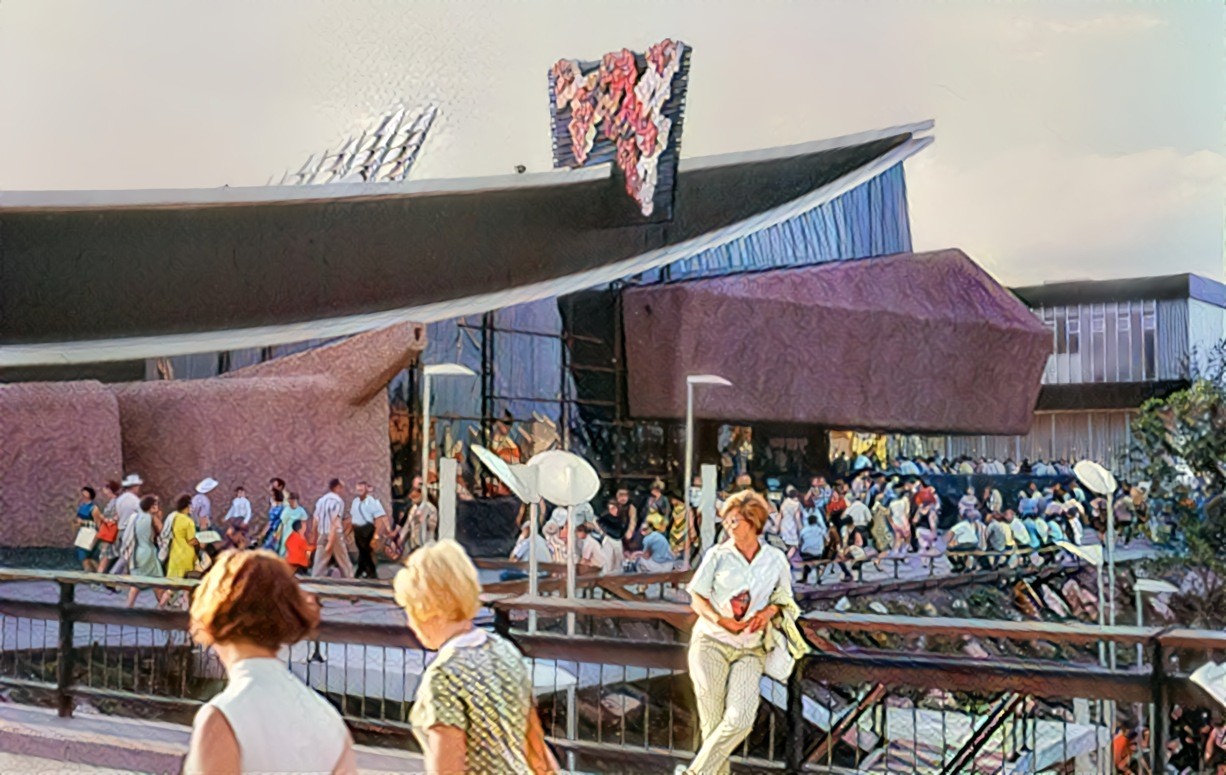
265	720
276	510
184	548
330	533
365	513
85	529
202	506
293	514
127	506
108	528
141	548
474	708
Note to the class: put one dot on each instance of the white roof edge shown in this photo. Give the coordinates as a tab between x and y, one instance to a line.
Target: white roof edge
801	149
137	348
226	195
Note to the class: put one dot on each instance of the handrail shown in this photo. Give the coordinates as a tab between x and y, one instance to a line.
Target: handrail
1043	678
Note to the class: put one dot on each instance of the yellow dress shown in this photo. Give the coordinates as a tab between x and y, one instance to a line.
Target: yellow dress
182	558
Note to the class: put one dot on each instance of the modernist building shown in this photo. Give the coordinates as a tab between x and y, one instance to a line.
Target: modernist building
528	280
1115	344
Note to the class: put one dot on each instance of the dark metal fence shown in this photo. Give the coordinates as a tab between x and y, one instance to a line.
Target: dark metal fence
880	693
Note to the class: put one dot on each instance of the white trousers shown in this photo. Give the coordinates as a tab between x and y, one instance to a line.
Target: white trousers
726	685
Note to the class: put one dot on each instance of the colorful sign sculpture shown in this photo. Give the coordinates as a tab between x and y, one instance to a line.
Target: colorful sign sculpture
627	109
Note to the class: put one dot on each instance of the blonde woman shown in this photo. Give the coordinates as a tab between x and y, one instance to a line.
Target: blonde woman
473	711
266	720
741	585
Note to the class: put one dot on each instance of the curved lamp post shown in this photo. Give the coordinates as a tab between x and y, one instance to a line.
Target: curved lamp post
690	381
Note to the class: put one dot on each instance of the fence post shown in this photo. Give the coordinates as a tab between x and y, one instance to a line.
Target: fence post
502	622
794	742
64	653
1162	702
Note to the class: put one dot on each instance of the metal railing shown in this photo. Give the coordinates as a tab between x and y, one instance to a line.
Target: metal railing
879	694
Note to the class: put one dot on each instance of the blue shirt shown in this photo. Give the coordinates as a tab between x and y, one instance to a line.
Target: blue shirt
1054	531
1028	506
813	539
656	547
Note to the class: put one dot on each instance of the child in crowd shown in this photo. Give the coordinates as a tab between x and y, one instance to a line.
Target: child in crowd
238	518
297	550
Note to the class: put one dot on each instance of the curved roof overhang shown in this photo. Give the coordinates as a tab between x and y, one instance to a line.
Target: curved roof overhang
103	276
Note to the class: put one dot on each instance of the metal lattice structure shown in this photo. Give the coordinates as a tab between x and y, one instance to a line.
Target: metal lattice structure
384	154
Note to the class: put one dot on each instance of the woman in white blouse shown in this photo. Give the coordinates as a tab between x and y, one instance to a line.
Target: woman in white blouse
266	720
737	590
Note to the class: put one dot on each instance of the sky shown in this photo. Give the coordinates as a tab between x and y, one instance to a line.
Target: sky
1074	139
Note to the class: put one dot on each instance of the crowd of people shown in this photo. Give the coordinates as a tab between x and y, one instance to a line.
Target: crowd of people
869	516
833	526
126	531
963	465
474	710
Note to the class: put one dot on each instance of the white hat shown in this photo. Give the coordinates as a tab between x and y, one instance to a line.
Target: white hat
131	480
206	486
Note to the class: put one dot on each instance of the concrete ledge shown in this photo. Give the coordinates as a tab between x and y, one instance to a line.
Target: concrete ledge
132	745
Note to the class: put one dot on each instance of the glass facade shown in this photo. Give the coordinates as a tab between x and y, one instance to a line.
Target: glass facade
1114	342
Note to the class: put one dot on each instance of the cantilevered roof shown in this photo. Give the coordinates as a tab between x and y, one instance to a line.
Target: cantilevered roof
912	342
96	276
1174	286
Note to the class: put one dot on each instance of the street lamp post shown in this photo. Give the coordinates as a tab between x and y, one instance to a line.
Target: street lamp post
690	381
1152	587
1101	482
433	370
1093	554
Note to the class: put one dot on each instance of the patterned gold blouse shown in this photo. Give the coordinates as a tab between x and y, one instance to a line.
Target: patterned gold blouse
479	683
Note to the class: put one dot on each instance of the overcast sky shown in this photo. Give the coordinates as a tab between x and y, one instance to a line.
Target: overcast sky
1073	140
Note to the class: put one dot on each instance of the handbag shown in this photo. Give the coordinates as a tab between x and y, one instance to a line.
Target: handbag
86	537
779	662
108	531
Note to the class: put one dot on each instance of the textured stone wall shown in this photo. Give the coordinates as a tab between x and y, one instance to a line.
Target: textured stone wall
306	418
54	438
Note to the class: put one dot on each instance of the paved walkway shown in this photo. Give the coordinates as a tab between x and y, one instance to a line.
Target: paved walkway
36	740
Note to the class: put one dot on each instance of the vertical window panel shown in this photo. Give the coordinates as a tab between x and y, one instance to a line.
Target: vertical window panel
1098	342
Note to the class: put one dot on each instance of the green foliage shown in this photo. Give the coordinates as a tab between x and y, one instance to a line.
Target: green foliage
1180	440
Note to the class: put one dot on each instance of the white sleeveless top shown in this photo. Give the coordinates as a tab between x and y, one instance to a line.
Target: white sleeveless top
281	725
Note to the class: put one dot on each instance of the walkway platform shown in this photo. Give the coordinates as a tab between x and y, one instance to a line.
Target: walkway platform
37	740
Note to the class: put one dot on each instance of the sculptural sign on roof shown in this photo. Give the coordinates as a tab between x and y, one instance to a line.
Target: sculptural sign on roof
626	109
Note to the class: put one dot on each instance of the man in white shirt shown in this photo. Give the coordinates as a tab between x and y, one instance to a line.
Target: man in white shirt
364	512
329	521
238	519
128	503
